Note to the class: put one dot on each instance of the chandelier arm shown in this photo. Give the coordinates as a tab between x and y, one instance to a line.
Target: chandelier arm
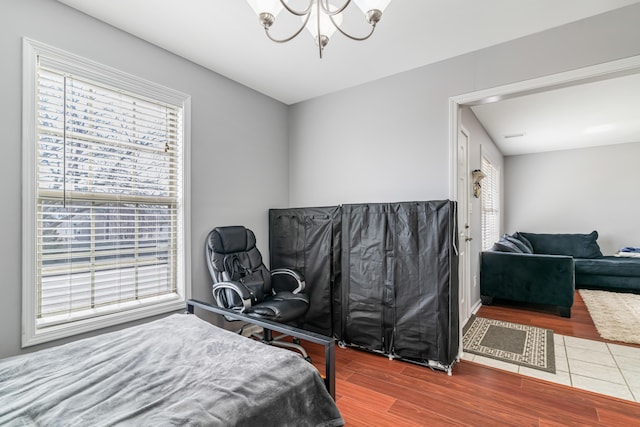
319	36
325	7
296	12
344	33
294	35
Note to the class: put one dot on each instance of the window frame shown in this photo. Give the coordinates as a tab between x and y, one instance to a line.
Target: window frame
85	68
484	155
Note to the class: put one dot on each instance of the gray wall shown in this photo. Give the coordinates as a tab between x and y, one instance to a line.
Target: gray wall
389	140
231	125
577	191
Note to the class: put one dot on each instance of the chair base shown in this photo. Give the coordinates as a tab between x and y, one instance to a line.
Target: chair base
268	338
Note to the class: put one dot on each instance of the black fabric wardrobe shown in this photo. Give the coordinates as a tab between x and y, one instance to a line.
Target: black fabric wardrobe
308	239
400	280
390	271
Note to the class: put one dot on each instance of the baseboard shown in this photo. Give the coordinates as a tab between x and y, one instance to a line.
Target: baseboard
476	307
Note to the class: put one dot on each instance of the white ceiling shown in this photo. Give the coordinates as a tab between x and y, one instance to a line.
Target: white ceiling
600	113
225	36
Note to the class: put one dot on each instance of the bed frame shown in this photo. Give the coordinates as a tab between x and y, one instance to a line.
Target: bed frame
329	343
173	370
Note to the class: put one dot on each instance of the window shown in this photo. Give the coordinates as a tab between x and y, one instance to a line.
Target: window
104	196
490	200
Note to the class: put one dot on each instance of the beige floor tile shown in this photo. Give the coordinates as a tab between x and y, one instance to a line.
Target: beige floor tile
559	377
631	377
606	359
626	351
604	387
597	371
562	364
628	363
586	344
560	350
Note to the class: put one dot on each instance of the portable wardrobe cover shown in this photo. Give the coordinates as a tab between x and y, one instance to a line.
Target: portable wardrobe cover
382	277
400	280
308	239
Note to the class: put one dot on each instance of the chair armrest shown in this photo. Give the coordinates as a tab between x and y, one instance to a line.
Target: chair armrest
224	292
297	276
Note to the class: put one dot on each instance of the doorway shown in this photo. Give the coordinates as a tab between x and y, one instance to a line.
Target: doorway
460	168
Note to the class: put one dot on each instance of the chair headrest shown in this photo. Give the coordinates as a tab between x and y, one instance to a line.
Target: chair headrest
227	240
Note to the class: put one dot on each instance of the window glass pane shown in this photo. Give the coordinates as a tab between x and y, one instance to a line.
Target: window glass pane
108	251
490	201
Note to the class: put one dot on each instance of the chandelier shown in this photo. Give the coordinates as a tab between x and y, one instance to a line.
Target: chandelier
320	17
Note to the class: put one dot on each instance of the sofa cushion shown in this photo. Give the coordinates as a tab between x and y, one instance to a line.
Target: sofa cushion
519	243
609	266
575	245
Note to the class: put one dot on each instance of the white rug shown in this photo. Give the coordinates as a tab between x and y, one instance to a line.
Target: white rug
616	315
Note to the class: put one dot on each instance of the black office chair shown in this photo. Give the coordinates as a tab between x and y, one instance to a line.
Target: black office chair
241	282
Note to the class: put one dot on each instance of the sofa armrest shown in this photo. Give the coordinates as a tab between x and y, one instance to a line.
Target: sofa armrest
534	278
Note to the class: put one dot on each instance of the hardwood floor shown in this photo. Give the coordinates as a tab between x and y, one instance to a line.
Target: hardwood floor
372	390
579	325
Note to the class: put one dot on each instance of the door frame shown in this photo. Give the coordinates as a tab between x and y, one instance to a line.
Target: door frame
464	270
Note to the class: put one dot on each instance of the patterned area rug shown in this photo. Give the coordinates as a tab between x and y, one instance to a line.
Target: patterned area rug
616	315
510	342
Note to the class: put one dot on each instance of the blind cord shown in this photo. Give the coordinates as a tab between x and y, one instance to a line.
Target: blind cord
64	144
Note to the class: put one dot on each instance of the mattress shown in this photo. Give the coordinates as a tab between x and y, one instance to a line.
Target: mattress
179	370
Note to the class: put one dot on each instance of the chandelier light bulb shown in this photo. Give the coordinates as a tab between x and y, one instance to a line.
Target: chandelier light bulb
274	7
267	10
367	5
327	28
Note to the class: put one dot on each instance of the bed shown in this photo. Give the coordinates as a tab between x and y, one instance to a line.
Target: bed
179	370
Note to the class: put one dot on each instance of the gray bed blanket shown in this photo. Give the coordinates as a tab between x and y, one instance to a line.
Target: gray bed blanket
177	371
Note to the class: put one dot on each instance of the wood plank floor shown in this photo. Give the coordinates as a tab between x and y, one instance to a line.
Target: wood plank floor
579	325
372	390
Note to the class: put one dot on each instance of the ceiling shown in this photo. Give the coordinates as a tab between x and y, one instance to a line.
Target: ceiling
226	37
598	113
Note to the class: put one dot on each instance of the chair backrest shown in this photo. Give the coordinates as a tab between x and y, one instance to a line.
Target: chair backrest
232	255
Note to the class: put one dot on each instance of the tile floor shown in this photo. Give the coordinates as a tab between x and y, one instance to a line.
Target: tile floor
609	369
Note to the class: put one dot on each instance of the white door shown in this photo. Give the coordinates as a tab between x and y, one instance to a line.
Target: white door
464	231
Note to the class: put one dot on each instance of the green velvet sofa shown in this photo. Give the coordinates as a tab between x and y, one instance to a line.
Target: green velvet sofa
547	268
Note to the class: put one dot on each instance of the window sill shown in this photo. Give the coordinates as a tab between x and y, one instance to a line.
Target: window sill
51	332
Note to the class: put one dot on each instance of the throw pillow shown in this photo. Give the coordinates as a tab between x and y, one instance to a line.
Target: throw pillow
503	245
518	235
523	248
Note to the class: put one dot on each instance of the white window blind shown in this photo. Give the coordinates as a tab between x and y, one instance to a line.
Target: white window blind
108	197
490	199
